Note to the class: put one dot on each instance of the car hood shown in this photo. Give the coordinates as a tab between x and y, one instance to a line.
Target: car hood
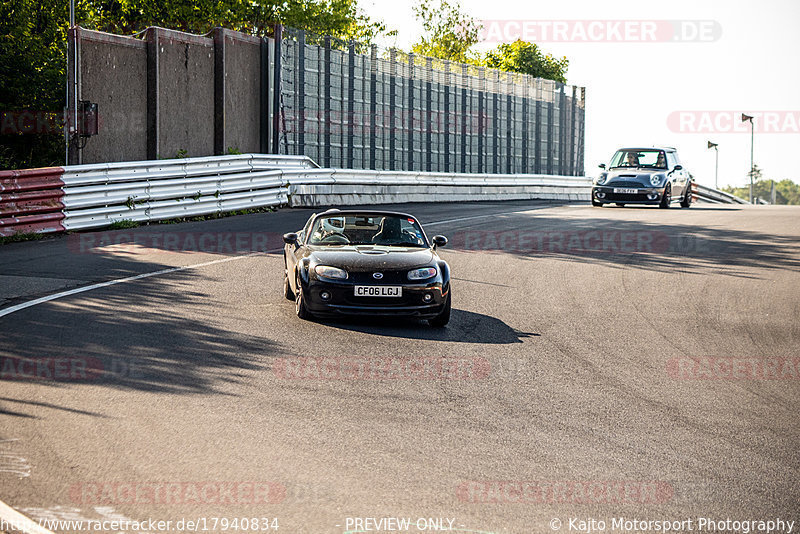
641	176
371	258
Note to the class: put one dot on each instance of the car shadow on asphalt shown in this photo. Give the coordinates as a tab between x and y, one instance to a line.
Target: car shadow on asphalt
464	327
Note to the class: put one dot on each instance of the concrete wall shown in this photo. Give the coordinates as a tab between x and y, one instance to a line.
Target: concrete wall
185	94
169	93
242	92
114	74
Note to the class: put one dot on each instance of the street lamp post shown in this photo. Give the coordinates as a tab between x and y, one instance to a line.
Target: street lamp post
716	163
746	118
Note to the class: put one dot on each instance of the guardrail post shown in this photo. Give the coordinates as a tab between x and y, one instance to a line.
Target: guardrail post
264	103
464	81
373	102
562	127
550	133
495	120
446	118
526	80
276	91
219	91
300	91
509	125
326	102
72	120
572	117
410	145
392	103
351	98
428	112
153	108
481	91
537	164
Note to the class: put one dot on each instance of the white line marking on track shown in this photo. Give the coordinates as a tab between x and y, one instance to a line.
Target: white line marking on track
83	289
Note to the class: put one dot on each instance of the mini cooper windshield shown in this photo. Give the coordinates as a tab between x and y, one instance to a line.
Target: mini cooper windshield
649	159
383	230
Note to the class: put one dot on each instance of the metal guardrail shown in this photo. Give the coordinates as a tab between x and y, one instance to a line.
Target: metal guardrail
31	201
98	195
716	197
92	196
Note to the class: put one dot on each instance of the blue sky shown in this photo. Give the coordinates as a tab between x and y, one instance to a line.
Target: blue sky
750	62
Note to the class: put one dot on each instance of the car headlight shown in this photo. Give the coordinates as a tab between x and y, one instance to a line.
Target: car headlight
330	272
601	179
656	180
422	274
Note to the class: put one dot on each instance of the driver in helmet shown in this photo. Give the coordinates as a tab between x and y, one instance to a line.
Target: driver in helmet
328	227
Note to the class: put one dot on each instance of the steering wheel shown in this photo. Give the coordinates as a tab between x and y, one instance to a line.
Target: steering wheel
335	237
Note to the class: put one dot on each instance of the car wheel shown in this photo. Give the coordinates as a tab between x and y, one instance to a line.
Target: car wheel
300	304
596	203
620	204
287	289
444	317
667	198
687	197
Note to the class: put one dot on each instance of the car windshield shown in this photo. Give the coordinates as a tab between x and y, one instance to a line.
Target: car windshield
651	159
367	229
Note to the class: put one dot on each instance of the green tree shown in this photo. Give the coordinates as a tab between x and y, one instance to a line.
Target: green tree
786	191
33	47
449	32
527	58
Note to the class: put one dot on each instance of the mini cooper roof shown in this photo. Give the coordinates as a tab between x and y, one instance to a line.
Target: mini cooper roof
664	148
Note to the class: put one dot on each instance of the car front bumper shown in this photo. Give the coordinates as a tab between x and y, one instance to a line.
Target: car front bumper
643	195
342	301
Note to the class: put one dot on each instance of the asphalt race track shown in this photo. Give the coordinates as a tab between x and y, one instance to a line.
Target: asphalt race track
600	363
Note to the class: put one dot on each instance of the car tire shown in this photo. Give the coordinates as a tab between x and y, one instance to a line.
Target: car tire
666	199
287	289
596	204
300	304
686	201
443	318
620	204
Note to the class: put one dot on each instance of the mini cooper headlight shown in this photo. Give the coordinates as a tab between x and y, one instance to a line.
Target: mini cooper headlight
330	272
422	274
656	179
601	179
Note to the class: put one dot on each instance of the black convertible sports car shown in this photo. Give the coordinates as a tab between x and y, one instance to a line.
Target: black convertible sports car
366	263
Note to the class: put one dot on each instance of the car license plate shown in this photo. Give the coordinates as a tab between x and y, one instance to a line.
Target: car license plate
379	291
625	190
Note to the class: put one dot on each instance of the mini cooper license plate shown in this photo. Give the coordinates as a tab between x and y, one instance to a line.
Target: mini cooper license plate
379	291
625	190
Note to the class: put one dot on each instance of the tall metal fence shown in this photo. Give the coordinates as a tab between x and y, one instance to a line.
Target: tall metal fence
347	105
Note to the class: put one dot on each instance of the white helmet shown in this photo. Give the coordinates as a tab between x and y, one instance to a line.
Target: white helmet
332	224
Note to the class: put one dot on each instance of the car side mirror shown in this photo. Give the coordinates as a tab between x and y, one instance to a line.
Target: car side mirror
290	238
602	166
678	168
439	241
